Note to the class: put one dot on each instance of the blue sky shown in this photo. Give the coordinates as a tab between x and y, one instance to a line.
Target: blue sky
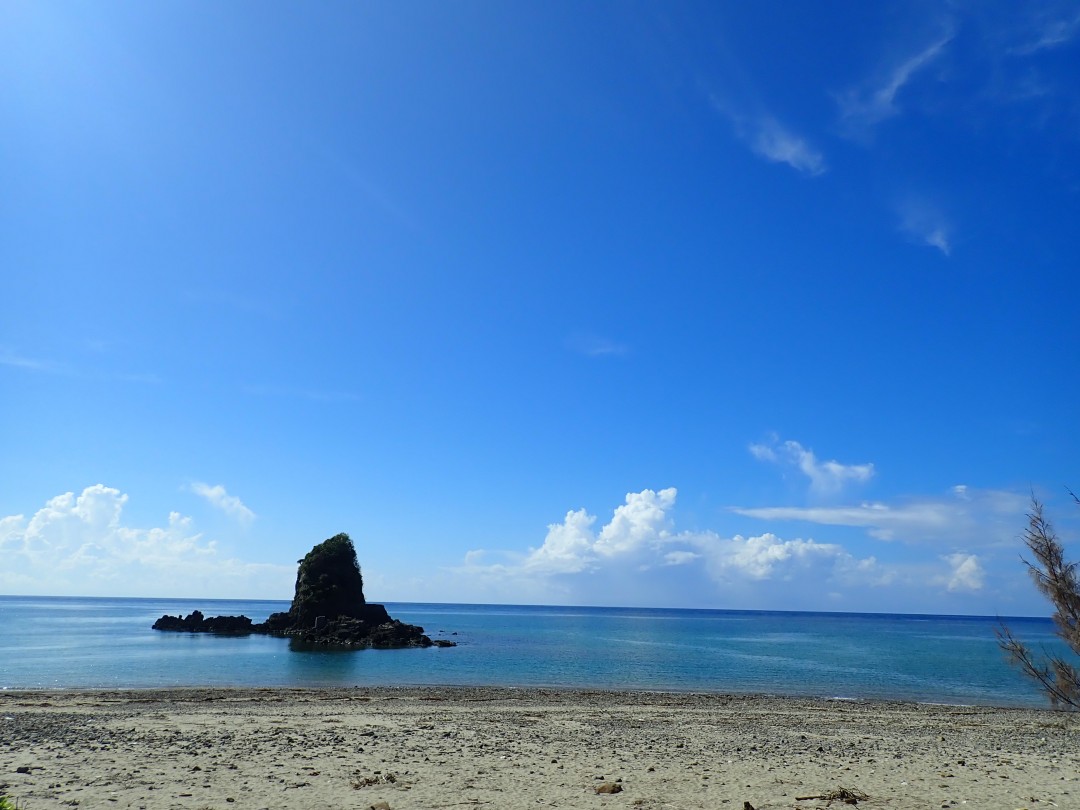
732	305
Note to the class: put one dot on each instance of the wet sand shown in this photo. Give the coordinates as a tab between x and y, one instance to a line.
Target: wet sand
507	748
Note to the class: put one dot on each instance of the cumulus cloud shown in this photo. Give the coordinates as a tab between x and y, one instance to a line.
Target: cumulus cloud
680	557
826	477
80	545
763	556
865	106
568	547
966	574
641	521
572	546
218	497
641	536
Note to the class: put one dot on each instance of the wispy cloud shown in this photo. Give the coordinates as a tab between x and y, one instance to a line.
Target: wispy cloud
986	517
885	521
925	224
865	106
772	141
826	477
1048	30
311	394
596	346
218	497
350	170
13	359
16	360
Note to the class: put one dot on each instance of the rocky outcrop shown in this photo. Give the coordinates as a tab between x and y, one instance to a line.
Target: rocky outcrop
328	609
328	583
195	622
346	631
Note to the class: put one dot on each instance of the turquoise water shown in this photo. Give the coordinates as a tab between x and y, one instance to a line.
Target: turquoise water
50	643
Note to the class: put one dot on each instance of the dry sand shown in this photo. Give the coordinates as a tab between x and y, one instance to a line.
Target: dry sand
506	748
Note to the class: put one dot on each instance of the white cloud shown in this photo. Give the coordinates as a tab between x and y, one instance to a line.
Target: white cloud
966	572
763	556
1048	30
568	547
572	546
15	360
641	535
79	545
863	107
763	452
826	477
769	139
885	520
639	557
218	497
12	534
984	516
925	224
641	521
475	557
680	557
10	358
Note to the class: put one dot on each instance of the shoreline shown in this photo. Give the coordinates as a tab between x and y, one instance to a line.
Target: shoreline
437	747
133	691
540	688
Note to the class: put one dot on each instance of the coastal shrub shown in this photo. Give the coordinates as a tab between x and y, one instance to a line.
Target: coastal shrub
8	804
1056	579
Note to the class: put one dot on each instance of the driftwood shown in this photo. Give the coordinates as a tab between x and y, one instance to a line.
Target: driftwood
843	794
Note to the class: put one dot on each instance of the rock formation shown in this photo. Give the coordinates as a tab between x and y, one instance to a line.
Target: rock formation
328	608
194	622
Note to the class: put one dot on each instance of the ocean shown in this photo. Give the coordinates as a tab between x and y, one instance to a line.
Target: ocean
106	643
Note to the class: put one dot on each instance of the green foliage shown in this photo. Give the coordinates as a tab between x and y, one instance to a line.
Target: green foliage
328	582
8	804
1057	580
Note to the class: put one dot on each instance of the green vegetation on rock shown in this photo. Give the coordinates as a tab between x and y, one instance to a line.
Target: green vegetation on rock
328	583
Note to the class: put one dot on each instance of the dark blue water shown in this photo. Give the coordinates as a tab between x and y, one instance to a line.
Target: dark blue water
50	642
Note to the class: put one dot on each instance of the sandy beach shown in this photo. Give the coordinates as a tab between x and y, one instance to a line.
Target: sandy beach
505	748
